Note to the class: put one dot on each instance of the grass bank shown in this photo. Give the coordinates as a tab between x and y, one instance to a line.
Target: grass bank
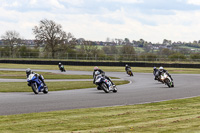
52	86
47	75
180	116
104	68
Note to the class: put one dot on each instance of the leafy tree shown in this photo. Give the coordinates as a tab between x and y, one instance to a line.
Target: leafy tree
126	41
110	49
166	52
177	56
11	39
88	49
195	56
127	52
148	57
51	34
25	52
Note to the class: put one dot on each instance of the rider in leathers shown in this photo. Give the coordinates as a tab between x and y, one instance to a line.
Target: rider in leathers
102	73
127	67
161	70
29	71
155	70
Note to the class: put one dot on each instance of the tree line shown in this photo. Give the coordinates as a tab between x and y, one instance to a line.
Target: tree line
54	42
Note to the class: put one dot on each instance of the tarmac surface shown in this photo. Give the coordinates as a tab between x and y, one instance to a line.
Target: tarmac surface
141	89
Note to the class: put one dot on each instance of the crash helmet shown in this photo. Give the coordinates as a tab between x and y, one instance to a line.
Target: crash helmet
28	71
126	65
59	63
154	67
96	68
161	69
97	73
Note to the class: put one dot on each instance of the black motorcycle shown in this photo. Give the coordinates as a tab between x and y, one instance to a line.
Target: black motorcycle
129	72
62	69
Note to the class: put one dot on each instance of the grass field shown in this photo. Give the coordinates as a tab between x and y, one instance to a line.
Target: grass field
104	68
47	75
179	116
52	86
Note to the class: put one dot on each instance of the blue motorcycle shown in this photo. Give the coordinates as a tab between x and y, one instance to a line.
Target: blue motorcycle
104	84
36	84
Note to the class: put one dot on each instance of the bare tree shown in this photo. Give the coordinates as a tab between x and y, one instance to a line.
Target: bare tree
12	39
51	34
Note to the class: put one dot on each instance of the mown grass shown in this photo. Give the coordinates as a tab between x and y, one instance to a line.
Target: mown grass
180	116
104	68
47	75
52	86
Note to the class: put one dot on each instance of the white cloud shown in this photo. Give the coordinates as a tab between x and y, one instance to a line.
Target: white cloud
98	25
73	2
124	1
193	2
12	4
33	2
56	4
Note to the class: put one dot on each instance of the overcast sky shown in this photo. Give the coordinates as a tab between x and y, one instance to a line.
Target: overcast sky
151	20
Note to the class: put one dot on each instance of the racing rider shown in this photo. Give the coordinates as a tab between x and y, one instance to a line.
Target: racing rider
161	70
102	73
127	67
29	71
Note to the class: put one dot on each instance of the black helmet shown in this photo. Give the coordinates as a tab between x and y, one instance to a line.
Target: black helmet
28	71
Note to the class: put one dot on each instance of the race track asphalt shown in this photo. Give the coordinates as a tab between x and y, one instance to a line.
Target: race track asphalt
141	89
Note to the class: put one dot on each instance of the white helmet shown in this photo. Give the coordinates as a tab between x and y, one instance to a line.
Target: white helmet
28	71
161	69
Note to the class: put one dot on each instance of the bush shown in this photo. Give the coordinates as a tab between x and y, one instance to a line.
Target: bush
148	57
177	56
25	52
195	56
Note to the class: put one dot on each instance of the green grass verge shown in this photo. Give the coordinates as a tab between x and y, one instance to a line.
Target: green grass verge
180	116
52	86
104	68
47	75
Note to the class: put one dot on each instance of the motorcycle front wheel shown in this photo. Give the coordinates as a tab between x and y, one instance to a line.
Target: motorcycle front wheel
167	82
115	89
34	88
45	91
105	88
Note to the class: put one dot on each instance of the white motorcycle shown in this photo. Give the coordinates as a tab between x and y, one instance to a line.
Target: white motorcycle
167	80
104	84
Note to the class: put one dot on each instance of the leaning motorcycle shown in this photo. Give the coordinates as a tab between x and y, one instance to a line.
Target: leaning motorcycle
62	69
104	84
129	72
167	80
36	84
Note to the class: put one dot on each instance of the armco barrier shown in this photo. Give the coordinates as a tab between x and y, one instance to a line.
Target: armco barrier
79	63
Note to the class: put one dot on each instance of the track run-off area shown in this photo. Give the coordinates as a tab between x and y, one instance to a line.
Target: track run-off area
141	89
